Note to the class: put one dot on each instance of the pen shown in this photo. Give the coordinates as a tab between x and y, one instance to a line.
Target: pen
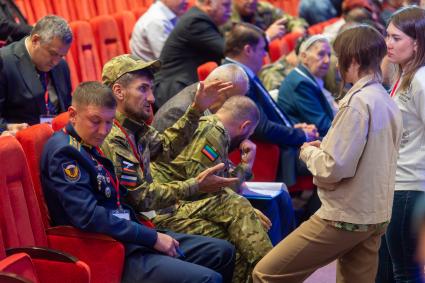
180	252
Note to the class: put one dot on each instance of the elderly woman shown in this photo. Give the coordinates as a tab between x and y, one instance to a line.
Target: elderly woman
354	170
302	95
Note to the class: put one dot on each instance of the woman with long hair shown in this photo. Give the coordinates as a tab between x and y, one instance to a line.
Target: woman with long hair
406	48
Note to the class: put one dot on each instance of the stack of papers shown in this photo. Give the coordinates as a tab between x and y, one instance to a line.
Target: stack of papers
267	190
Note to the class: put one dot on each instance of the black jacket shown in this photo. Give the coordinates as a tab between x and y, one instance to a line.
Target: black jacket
194	41
21	91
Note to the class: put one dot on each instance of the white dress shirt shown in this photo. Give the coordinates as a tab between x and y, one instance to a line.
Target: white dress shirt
151	31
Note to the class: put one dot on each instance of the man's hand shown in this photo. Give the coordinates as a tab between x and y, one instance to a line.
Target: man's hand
277	29
309	129
14	128
210	183
265	221
208	93
166	244
248	150
315	143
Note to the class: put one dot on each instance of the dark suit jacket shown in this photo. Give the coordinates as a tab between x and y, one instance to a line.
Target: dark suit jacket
195	40
303	100
174	108
21	91
13	25
272	129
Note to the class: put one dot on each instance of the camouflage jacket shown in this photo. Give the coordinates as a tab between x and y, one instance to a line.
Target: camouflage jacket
133	169
266	15
209	147
272	75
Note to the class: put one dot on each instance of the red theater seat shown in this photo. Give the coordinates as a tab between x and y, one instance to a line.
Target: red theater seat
104	255
84	52
205	69
21	222
60	121
107	37
125	21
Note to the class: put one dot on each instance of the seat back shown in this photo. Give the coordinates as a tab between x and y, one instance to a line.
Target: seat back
266	161
61	8
118	5
39	9
72	70
81	10
84	52
32	141
60	121
19	264
20	218
107	37
125	21
205	69
26	10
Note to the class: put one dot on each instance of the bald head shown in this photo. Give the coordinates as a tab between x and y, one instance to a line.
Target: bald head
231	73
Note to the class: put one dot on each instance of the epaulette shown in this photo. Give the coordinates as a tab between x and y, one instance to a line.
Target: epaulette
74	143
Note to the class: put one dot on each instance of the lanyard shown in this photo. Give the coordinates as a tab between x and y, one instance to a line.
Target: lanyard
115	182
132	145
395	87
46	93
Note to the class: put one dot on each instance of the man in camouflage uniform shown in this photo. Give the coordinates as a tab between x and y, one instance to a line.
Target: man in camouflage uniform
132	144
264	15
272	75
216	134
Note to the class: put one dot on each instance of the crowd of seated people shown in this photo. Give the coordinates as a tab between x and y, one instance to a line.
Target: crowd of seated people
145	155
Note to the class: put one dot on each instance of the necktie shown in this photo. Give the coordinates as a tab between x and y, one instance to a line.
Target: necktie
270	100
50	108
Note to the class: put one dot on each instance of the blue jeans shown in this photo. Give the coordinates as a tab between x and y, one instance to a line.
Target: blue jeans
399	246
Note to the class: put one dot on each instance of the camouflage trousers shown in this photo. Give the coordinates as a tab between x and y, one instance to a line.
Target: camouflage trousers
226	216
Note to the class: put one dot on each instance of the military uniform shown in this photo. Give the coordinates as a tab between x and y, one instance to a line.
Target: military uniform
133	166
81	190
265	15
272	75
225	214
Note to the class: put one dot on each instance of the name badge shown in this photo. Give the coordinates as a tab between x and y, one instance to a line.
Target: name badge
121	213
46	119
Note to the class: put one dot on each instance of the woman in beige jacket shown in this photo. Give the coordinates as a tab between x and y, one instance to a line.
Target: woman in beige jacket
353	168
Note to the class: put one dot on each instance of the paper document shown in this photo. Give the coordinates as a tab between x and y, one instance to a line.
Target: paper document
263	189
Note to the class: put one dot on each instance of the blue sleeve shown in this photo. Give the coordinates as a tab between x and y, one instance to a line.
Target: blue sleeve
83	210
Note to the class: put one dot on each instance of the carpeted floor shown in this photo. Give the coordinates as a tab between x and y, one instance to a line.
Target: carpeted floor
325	274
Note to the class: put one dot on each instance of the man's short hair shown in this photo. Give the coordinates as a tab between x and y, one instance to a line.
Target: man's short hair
240	35
241	108
93	93
50	27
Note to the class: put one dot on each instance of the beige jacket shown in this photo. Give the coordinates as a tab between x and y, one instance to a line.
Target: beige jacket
354	168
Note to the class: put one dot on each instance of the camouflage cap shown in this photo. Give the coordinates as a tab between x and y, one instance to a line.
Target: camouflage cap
126	63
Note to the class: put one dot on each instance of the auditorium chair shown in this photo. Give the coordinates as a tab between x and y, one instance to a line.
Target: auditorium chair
291	40
107	36
125	21
60	121
104	255
72	71
81	10
84	52
275	50
205	69
61	8
21	222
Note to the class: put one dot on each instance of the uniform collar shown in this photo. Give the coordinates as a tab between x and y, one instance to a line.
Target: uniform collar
70	130
130	125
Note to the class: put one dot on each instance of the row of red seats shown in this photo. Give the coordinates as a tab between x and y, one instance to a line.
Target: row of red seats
96	42
24	220
289	6
73	10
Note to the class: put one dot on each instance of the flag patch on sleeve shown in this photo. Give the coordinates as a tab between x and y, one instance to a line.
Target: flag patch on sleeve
209	152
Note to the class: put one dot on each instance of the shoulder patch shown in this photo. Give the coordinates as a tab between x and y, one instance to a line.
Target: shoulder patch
210	152
71	171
